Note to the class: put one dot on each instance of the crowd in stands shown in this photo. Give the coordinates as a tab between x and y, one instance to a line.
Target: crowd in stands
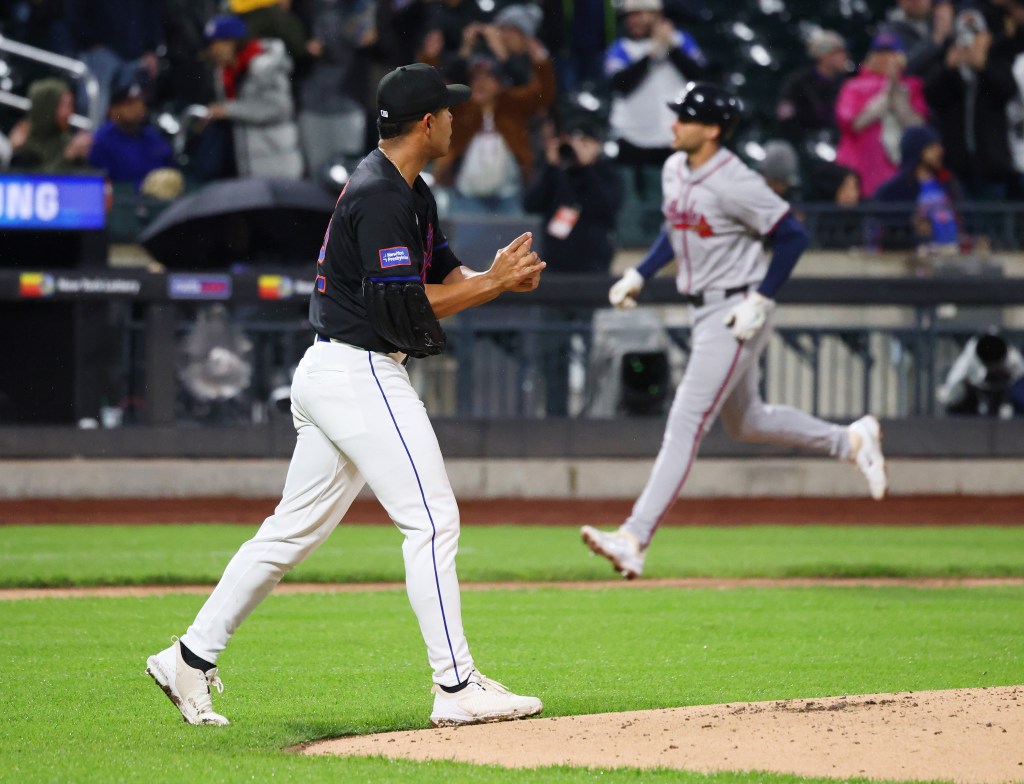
568	117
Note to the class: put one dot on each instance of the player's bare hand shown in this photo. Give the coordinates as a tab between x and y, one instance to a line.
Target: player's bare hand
749	316
516	263
664	32
530	282
516	249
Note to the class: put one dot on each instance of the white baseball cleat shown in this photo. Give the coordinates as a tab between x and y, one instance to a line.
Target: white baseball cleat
481	701
866	448
187	687
620	547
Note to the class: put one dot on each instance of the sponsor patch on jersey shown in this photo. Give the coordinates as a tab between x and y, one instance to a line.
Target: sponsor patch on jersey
394	257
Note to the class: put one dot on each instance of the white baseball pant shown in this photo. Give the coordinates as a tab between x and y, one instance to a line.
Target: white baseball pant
722	377
359	420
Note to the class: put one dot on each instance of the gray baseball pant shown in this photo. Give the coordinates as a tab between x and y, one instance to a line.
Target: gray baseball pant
722	378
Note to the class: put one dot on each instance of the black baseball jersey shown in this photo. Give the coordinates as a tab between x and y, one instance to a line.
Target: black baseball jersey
381	228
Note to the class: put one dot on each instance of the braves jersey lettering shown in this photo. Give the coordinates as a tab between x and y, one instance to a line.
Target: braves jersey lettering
394	257
716	217
688	220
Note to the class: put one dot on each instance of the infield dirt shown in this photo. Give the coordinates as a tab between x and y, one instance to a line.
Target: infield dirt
927	510
974	736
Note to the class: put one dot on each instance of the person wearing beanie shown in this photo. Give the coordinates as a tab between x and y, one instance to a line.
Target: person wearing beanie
874	108
490	158
922	180
780	168
256	98
807	102
517	35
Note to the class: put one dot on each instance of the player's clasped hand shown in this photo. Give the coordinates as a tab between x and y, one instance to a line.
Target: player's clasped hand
516	267
623	292
749	316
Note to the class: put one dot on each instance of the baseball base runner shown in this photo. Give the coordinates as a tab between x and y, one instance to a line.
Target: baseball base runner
718	212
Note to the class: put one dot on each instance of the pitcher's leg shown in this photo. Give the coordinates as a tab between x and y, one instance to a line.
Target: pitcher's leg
404	467
747	417
321	485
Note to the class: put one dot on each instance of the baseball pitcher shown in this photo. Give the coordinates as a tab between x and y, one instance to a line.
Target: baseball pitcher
384	276
718	212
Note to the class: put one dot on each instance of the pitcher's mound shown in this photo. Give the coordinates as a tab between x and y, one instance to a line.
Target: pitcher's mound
966	735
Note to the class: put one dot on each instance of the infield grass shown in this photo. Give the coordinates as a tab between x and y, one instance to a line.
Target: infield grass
64	555
77	706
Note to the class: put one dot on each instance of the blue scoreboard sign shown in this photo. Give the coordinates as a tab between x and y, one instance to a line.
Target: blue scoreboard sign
39	201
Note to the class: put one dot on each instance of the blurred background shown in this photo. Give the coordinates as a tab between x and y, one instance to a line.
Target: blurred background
168	168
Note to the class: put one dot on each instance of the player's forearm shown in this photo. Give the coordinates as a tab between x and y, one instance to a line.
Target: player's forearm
658	256
462	289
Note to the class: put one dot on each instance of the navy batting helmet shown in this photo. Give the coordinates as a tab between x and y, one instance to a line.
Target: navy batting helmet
711	104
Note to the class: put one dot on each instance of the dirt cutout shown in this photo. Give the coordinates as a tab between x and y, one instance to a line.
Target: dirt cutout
681	583
974	736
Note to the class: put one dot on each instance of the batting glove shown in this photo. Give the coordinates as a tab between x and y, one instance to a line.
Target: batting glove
623	292
749	316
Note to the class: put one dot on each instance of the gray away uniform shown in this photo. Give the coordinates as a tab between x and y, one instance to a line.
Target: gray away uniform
717	216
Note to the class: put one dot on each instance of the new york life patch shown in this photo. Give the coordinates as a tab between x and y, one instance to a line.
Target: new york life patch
394	257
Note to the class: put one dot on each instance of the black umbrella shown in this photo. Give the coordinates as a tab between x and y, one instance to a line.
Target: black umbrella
257	219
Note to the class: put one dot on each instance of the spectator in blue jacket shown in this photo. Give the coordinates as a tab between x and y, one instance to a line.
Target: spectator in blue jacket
127	146
923	180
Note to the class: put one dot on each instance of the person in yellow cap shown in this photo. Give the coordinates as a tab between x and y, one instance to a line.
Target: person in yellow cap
273	19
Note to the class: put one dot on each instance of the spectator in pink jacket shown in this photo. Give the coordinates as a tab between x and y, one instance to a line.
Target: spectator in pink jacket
873	110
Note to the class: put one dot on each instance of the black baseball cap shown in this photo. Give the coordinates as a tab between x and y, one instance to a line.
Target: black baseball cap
409	92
